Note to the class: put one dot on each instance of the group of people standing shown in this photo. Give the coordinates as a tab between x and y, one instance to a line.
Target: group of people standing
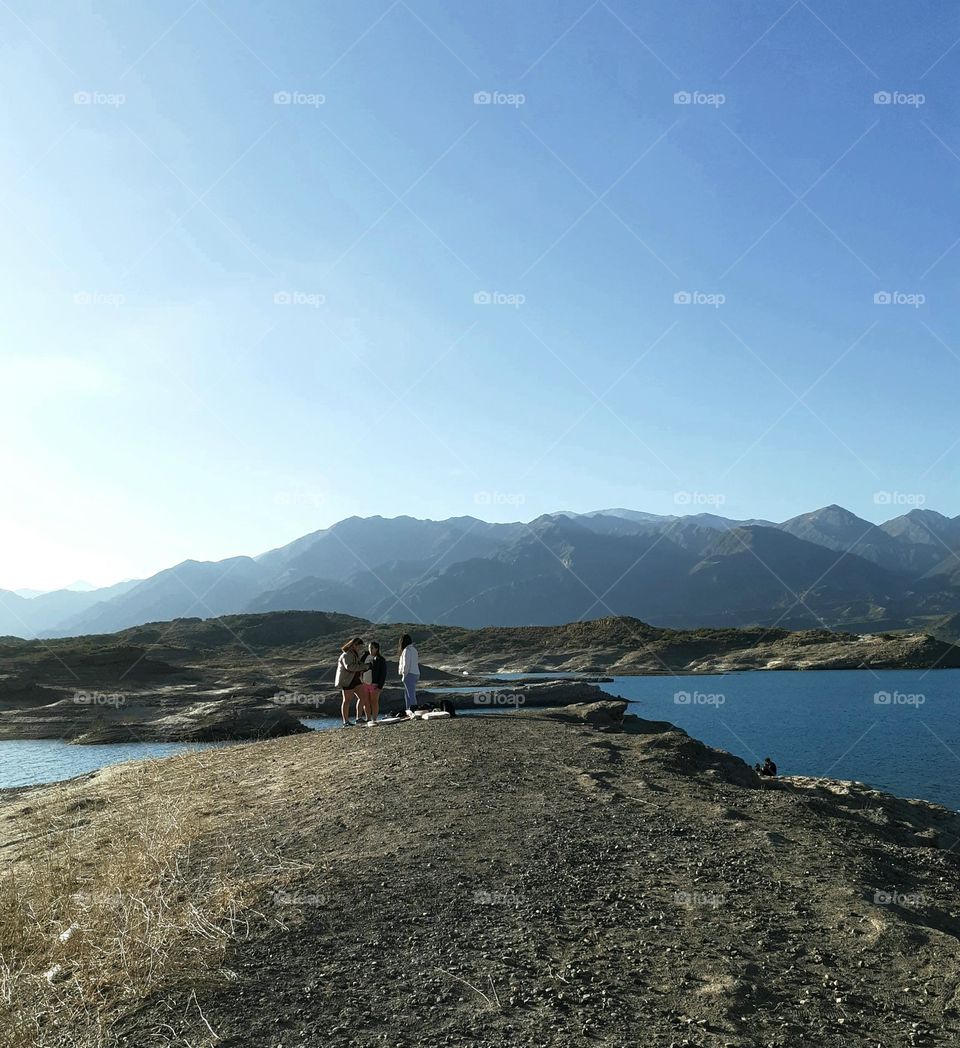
362	674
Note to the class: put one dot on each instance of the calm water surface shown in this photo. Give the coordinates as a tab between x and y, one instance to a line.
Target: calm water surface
32	761
898	730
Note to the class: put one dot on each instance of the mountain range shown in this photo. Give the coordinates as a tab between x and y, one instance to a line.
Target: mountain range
824	568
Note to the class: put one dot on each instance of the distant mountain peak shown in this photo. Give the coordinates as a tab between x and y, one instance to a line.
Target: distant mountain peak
833	512
559	524
926	514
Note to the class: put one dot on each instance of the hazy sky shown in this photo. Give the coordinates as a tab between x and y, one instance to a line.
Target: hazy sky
241	245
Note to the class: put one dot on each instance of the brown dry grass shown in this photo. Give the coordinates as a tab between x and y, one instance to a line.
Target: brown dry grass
98	914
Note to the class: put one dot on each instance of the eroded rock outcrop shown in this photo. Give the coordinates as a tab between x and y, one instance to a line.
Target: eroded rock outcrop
144	719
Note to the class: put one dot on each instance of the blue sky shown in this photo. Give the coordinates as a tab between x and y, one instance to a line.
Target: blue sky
230	320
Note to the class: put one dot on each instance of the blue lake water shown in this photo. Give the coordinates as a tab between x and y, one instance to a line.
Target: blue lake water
29	762
32	761
896	730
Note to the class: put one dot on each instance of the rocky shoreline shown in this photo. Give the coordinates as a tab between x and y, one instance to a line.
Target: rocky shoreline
152	719
98	718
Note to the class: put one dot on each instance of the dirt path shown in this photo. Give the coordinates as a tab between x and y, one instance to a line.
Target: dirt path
527	880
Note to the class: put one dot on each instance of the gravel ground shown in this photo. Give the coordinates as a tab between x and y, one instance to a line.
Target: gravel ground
548	879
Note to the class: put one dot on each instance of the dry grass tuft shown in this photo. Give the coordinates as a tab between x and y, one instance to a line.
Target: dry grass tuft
99	914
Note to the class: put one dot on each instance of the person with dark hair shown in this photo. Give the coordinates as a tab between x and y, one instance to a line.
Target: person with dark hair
349	670
409	670
374	678
768	769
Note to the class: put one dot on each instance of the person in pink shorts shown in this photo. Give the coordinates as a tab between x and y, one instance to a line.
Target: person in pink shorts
372	682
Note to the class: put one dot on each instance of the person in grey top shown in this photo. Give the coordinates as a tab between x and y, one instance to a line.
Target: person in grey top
349	672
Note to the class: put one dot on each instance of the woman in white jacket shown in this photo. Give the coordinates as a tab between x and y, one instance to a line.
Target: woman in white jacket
409	670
